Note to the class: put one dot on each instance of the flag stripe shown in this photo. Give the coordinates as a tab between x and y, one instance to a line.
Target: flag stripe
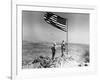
54	19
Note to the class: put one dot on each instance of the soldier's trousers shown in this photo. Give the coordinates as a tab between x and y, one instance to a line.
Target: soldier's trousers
53	55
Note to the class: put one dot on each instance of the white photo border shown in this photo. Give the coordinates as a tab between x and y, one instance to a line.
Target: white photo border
18	72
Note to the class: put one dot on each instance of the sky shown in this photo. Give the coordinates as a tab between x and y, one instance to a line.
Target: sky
35	29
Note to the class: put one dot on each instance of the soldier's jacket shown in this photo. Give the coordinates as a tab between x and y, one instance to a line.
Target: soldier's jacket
63	47
53	48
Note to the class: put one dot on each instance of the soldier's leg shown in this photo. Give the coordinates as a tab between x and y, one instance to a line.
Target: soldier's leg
53	54
62	53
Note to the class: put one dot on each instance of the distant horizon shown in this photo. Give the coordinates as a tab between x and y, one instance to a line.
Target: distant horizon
52	42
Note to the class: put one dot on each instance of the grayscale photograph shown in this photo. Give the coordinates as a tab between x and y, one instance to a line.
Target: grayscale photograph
55	40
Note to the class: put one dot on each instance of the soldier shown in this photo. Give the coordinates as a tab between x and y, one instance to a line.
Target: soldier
53	48
63	48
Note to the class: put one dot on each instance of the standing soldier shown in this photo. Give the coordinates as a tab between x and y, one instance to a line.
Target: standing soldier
53	48
63	48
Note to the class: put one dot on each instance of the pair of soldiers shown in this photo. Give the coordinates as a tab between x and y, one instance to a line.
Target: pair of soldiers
53	48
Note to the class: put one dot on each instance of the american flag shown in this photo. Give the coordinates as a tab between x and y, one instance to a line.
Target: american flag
56	21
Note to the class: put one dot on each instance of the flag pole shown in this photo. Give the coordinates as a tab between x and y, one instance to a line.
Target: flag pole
67	35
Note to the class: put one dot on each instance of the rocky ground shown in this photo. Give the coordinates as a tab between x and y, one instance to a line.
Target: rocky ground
39	56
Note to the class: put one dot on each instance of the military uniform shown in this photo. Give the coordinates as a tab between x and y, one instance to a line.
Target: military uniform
53	48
